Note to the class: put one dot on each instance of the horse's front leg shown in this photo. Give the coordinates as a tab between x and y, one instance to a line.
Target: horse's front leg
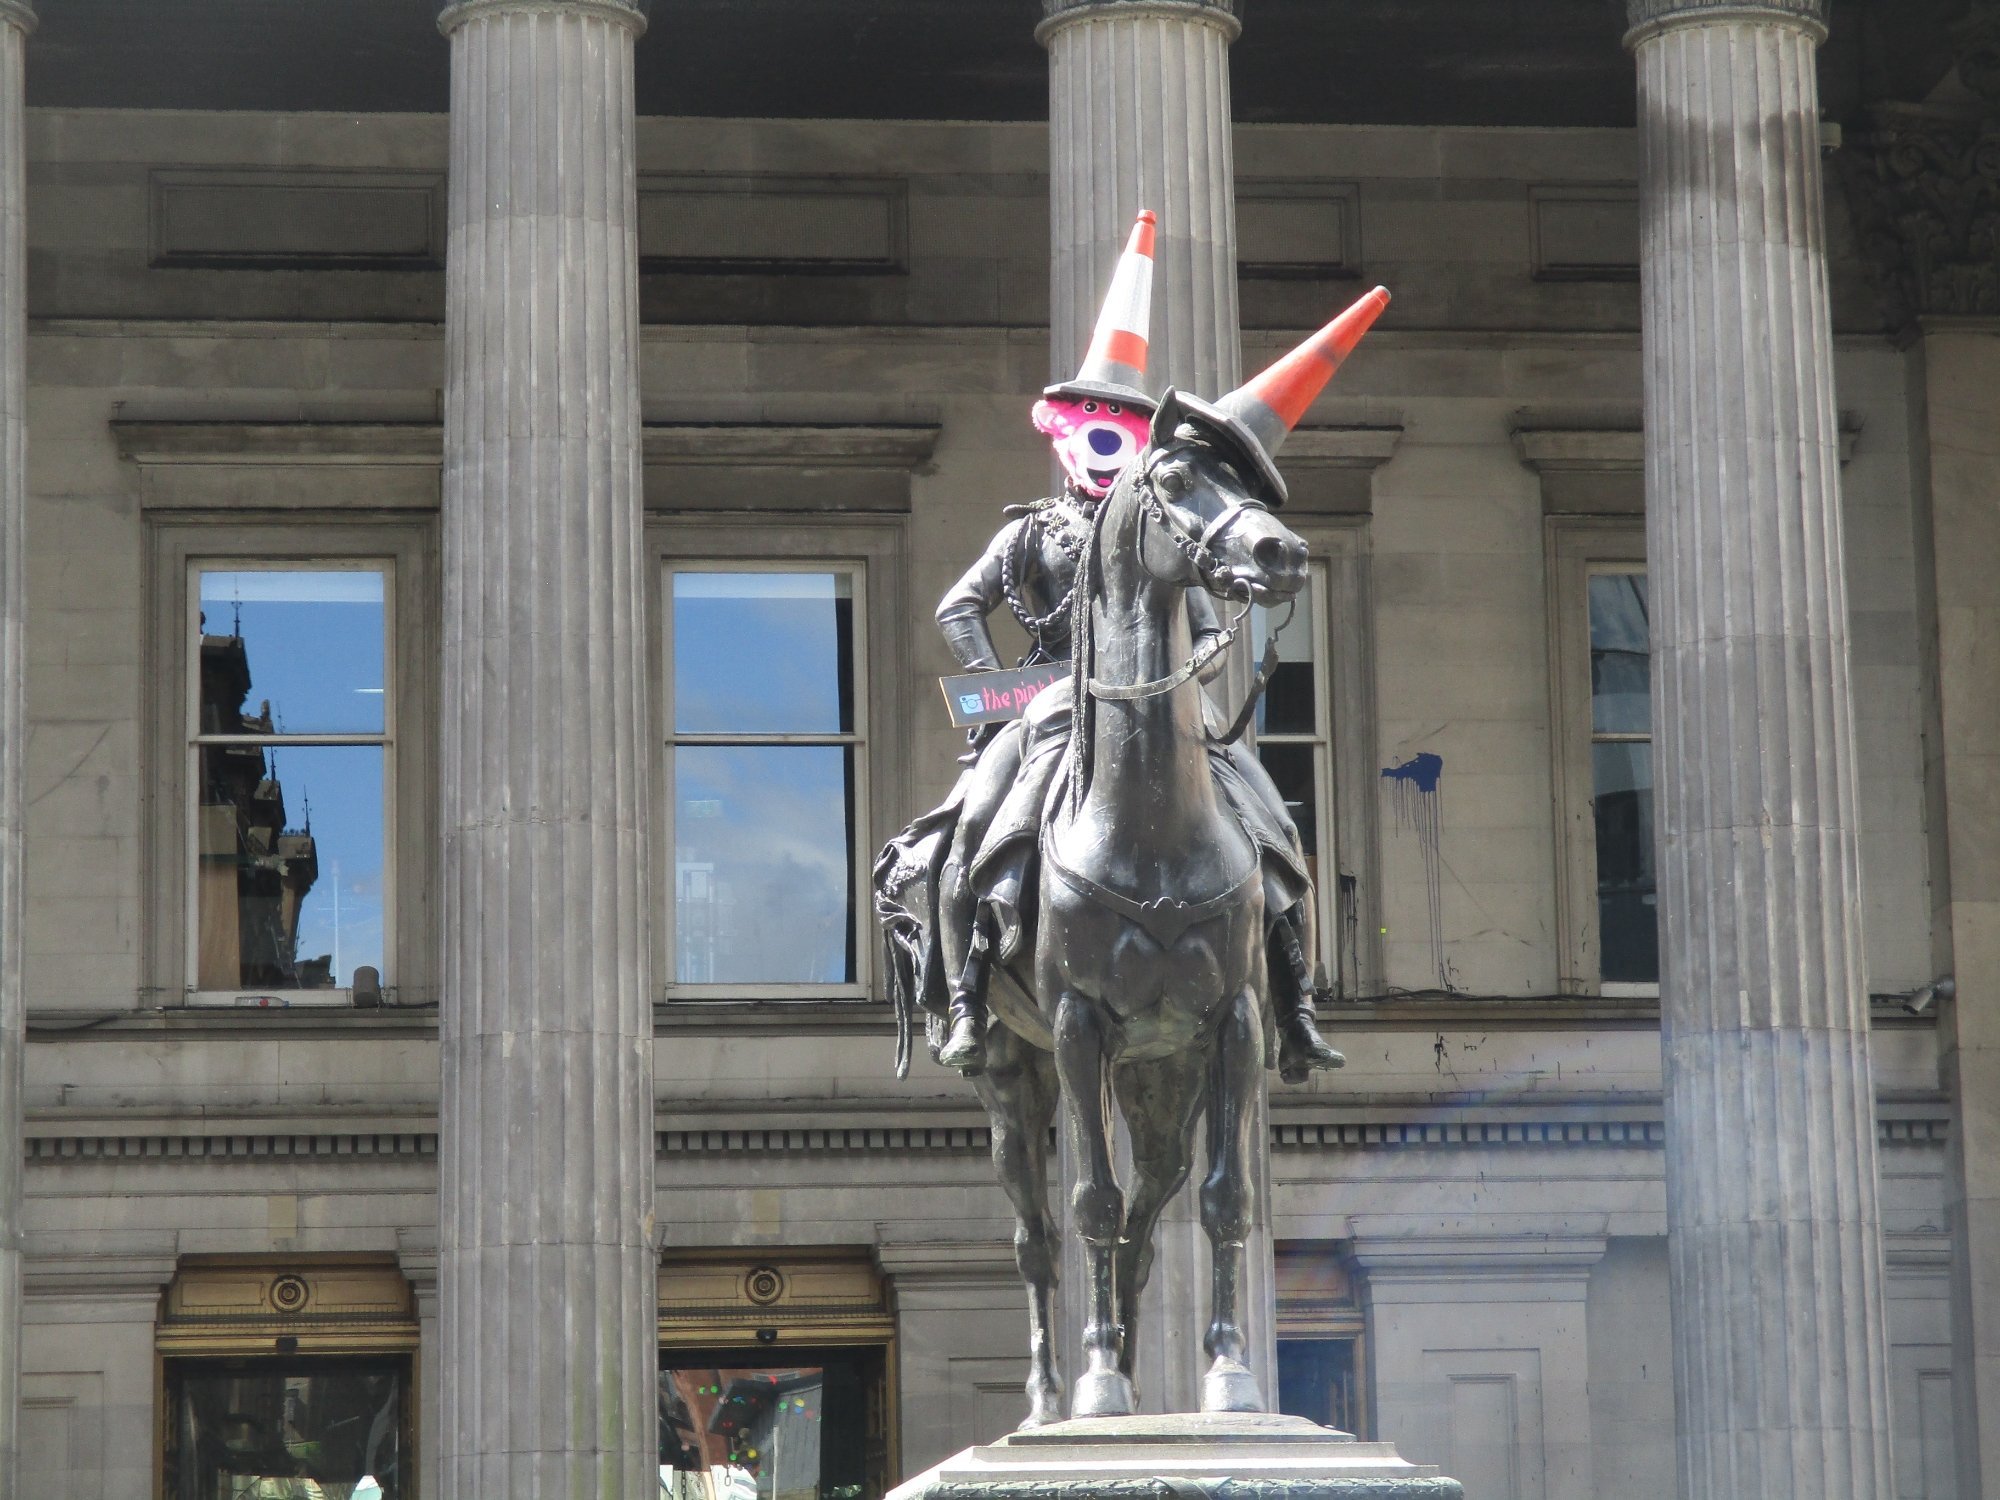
1228	1199
1162	1102
1097	1208
1018	1088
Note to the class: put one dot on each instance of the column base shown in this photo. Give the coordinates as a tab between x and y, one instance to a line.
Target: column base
1247	1456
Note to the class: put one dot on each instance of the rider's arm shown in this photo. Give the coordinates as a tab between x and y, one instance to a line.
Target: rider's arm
962	613
1202	620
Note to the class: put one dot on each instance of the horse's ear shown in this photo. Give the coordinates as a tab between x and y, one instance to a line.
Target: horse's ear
1166	418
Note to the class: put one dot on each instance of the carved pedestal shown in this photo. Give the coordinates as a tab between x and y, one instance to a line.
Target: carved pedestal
1188	1457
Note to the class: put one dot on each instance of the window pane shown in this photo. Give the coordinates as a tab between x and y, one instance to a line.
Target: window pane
329	1429
763	864
1316	1381
804	1425
763	653
1627	906
1290	704
1291	767
288	882
1620	667
292	651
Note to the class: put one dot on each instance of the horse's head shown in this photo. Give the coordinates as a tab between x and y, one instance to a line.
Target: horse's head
1215	506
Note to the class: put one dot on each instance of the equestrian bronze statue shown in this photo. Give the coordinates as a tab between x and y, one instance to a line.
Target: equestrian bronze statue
1113	906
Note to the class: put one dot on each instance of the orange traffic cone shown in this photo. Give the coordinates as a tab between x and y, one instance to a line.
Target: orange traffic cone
1261	413
1114	367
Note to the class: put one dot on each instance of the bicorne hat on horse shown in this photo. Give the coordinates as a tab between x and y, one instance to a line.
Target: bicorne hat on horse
1114	368
1260	414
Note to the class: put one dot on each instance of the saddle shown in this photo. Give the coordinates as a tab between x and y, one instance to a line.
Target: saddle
980	835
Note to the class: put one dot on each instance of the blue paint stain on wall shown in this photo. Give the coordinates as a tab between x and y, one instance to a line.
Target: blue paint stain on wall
1421	771
1414	787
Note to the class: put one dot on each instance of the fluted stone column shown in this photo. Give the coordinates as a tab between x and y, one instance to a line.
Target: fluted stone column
1139	117
1776	1257
546	1291
16	21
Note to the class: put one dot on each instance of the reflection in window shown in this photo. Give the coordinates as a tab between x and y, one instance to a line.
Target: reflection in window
799	1425
765	765
1317	1381
290	747
1621	754
287	1429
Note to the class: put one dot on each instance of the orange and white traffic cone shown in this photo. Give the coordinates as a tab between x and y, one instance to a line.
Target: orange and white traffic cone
1114	367
1261	413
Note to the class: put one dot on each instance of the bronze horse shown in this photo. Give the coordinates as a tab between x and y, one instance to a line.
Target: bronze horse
1147	961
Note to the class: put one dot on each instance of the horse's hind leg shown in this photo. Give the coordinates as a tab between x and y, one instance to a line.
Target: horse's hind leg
1097	1208
1228	1199
1018	1087
1161	1101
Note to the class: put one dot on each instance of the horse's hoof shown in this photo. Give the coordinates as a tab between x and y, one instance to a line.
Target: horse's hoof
1105	1393
1043	1409
1228	1386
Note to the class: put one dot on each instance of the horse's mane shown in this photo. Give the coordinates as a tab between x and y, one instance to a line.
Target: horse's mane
1083	630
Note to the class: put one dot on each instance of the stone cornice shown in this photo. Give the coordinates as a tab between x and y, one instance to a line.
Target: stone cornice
1356	447
18	13
620	12
1648	18
892	446
1058	14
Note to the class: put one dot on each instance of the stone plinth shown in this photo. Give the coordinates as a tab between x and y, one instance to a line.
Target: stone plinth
1243	1456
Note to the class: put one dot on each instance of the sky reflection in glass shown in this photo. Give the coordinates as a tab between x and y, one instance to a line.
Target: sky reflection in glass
315	640
763	653
313	643
763	873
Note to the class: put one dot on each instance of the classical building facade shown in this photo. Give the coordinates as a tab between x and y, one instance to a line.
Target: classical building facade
473	490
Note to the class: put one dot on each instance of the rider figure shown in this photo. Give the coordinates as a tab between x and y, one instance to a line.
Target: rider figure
1097	423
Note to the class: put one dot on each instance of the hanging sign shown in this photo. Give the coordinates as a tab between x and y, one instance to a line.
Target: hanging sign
995	697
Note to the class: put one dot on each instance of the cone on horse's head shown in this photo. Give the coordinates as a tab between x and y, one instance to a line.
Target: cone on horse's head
1261	413
1114	367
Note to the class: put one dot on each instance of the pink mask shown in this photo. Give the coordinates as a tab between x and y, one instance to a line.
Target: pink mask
1094	438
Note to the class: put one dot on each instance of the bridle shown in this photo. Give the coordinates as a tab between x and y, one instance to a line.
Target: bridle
1198	549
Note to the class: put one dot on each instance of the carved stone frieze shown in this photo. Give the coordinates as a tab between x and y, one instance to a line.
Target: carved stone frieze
1925	193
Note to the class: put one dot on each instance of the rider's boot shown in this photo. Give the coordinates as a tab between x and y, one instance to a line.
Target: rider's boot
1003	897
1301	1049
965	1041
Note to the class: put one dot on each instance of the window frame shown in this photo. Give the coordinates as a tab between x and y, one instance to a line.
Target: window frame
872	550
808	1300
179	545
1349	833
1320	742
196	741
1579	547
1340	1318
220	1309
